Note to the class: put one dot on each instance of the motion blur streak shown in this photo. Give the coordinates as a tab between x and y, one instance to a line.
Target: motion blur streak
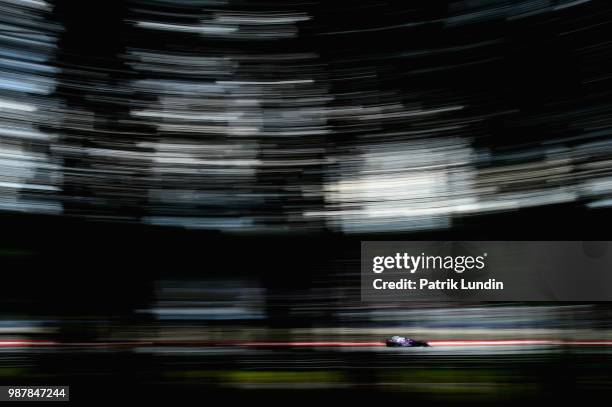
517	342
184	186
29	173
261	117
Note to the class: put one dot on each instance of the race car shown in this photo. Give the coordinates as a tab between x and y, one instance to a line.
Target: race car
403	342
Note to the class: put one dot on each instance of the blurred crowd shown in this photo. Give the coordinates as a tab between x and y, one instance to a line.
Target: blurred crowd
302	116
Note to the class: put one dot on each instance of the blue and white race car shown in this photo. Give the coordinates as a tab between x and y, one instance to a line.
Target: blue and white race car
403	342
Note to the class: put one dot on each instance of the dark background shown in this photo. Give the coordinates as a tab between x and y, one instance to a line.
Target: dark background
533	82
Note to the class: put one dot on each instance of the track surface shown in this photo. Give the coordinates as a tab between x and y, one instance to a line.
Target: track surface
299	344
